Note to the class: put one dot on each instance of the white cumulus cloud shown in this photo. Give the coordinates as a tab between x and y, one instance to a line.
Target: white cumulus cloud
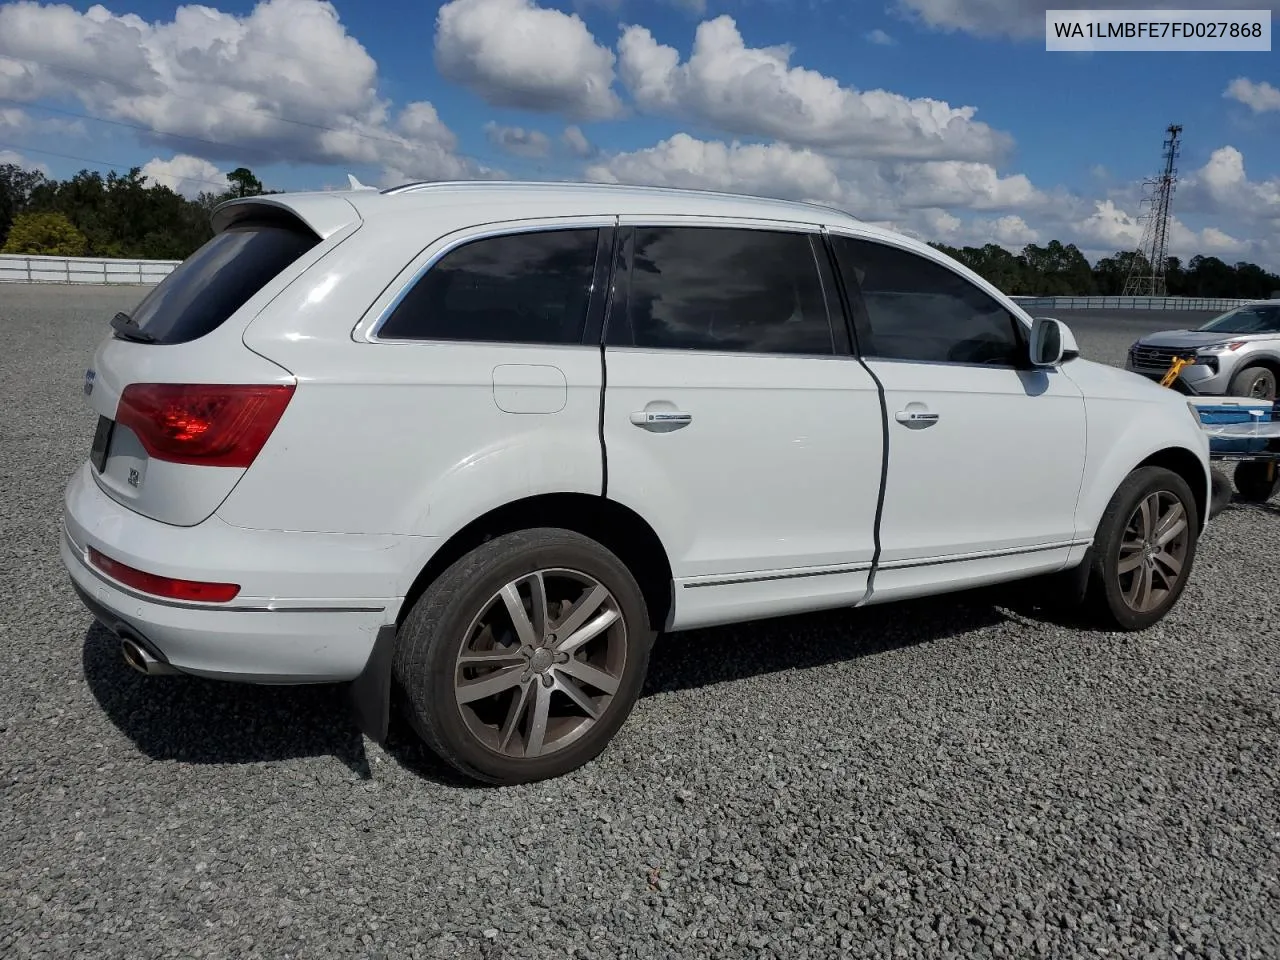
870	189
1260	97
776	170
184	174
756	92
514	53
284	82
1222	186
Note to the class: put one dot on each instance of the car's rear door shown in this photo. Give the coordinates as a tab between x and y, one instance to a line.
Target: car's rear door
736	420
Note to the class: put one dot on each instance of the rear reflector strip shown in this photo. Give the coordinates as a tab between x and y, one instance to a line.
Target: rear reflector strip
168	587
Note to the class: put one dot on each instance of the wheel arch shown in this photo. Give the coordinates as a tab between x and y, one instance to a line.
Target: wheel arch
616	527
1132	448
1189	467
1268	361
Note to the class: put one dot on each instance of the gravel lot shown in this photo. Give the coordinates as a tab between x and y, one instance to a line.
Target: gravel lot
951	778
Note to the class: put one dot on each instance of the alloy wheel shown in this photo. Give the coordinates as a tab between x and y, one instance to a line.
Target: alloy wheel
1261	388
540	663
1153	551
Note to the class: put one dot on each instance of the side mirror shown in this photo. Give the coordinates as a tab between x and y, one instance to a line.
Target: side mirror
1051	343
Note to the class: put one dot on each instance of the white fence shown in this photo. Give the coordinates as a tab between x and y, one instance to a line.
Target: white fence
21	268
1219	304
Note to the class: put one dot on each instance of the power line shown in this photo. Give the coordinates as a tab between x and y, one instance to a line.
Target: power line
105	163
118	123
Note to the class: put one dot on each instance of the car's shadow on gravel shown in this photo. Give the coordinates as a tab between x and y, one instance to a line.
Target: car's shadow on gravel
193	720
211	721
700	658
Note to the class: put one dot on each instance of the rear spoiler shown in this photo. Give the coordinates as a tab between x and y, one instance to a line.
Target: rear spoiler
323	213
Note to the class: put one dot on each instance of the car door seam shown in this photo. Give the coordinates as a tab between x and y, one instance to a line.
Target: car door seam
610	270
845	299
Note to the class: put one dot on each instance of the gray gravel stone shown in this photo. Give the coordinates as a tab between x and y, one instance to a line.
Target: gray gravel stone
951	778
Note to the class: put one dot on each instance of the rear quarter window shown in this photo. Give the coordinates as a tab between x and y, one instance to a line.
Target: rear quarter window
216	281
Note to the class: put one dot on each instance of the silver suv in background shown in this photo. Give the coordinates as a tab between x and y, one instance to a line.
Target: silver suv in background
1236	354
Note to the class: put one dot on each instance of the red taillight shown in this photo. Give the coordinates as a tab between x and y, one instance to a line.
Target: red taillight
169	587
212	425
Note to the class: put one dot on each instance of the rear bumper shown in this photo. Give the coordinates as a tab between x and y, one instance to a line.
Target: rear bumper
288	624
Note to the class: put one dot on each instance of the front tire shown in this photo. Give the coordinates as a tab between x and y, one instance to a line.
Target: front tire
1258	383
525	657
1144	549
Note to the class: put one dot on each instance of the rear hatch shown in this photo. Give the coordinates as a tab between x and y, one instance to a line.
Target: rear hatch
184	407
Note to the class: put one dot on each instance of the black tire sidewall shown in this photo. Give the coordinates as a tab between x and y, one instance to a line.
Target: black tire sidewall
433	633
1241	382
1139	485
1251	482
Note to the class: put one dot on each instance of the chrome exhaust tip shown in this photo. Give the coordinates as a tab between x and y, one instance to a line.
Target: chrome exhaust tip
136	656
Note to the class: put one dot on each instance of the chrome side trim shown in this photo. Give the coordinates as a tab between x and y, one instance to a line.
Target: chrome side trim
891	565
267	606
784	575
983	555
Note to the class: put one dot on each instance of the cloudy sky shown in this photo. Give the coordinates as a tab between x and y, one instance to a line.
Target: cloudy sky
942	118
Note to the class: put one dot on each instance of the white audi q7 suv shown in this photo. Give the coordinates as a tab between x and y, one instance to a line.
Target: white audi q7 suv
470	446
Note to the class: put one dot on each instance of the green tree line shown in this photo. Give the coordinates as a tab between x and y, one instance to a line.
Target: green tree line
91	215
1058	270
122	216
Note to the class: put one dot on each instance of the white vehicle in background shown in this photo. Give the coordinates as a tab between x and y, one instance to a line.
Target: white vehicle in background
472	445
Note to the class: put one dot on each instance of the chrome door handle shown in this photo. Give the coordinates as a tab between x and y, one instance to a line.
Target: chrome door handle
916	416
653	419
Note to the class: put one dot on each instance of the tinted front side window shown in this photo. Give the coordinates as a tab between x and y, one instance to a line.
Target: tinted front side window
712	288
518	288
919	310
215	281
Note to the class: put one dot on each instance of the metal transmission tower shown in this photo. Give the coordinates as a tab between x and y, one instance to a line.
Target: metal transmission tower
1148	280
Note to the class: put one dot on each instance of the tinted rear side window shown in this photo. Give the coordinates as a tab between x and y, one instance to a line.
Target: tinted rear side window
723	289
518	288
215	281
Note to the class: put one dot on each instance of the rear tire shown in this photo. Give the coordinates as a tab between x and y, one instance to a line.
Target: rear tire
1256	382
1252	483
1144	550
525	657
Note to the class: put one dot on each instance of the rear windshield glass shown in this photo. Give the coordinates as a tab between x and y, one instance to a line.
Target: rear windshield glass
216	280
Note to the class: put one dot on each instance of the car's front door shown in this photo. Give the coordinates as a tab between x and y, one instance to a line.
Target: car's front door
986	452
736	420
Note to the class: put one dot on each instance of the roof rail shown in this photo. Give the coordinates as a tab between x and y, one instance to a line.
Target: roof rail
417	185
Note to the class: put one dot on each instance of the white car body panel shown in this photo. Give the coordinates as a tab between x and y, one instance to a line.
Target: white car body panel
775	480
459	429
1129	420
994	480
765	504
